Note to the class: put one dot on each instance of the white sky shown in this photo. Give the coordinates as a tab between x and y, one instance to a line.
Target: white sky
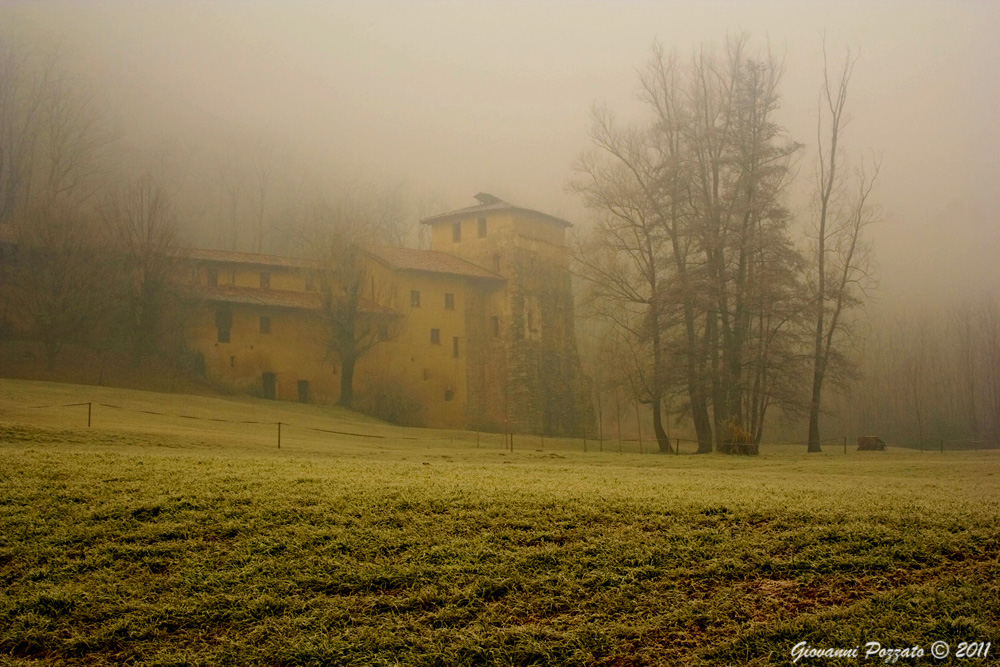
453	98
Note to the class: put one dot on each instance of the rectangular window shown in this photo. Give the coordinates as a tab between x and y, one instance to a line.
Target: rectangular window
265	325
496	325
456	232
435	336
415	298
212	277
265	280
223	323
481	226
449	302
454	347
269	381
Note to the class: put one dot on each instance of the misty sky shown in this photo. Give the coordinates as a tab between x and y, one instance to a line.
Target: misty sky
453	98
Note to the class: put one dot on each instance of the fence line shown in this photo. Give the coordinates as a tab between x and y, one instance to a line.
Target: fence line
507	438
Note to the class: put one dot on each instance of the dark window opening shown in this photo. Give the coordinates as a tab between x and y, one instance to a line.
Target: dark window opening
269	381
265	325
223	323
415	298
265	280
456	232
496	325
449	394
481	226
454	347
435	336
303	391
449	302
212	277
232	362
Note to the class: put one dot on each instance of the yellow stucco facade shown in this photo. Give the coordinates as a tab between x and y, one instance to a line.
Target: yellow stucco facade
466	331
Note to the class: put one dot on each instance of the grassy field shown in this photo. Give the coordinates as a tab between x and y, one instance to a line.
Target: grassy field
164	540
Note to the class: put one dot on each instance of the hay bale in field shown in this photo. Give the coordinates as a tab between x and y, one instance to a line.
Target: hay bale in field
870	443
739	440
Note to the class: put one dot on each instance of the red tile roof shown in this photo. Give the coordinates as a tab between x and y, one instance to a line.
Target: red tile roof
431	261
254	296
492	206
230	257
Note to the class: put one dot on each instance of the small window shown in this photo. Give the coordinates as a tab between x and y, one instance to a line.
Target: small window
212	277
454	347
232	362
415	298
265	280
481	227
456	232
496	325
449	302
383	332
265	325
435	336
449	394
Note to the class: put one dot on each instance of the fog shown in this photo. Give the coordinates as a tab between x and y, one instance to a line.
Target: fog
443	100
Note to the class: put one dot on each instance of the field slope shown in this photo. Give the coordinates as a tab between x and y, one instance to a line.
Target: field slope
156	539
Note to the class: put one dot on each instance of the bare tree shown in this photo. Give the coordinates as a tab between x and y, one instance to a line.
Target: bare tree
52	143
690	227
61	277
357	308
142	226
842	260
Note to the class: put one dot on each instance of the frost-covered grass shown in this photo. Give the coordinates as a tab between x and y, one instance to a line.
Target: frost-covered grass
147	542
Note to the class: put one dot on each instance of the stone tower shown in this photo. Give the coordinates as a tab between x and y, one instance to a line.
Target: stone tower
525	375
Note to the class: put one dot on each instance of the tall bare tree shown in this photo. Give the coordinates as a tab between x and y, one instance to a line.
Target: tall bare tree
142	226
843	258
690	213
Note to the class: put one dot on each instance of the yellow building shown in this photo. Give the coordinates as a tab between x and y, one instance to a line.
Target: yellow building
476	332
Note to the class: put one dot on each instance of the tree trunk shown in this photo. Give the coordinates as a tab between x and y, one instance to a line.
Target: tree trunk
661	436
346	383
814	444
